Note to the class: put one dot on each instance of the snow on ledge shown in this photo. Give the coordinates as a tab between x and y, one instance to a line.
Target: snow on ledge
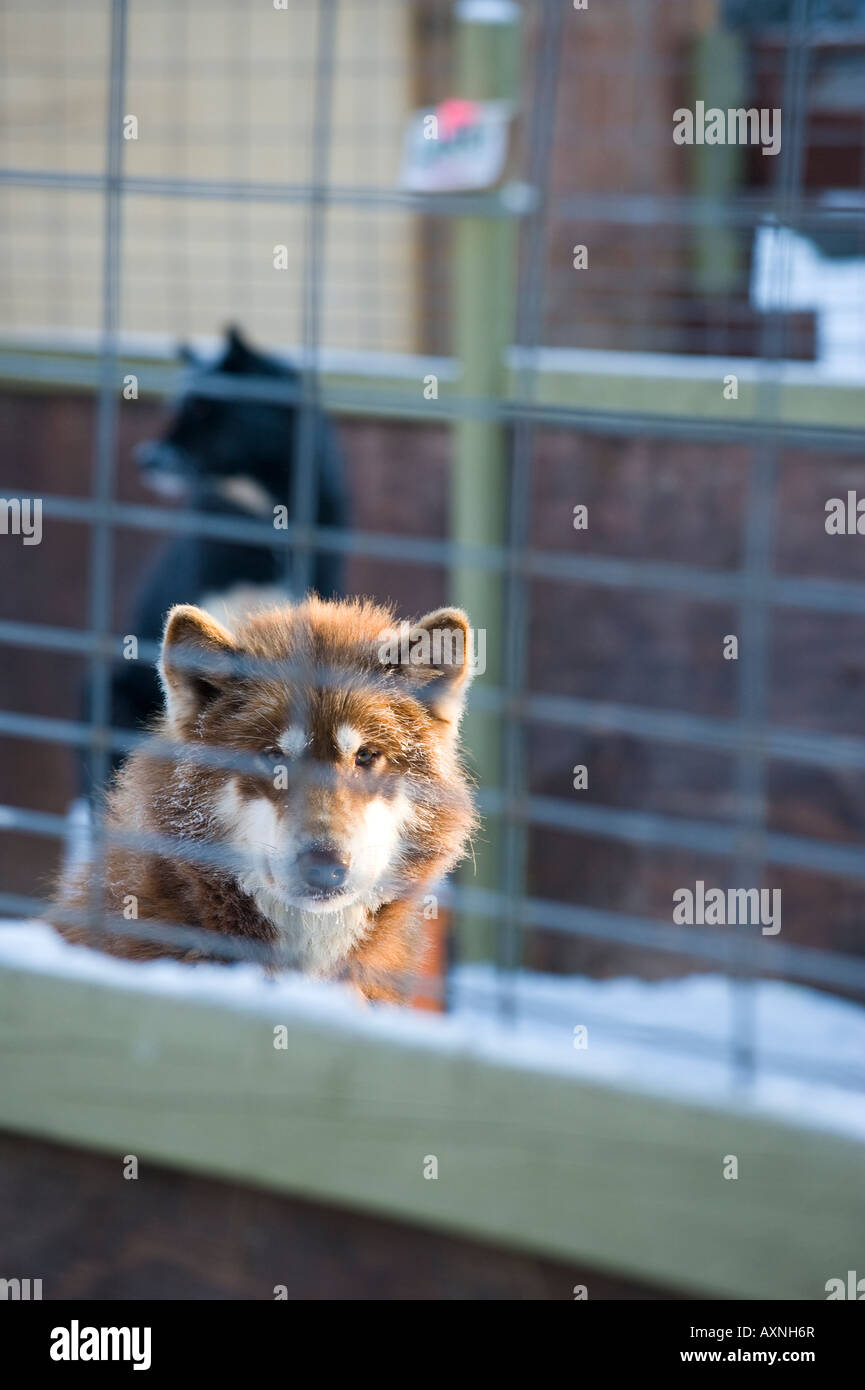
667	1038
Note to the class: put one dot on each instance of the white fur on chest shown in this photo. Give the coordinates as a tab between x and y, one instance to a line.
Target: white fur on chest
317	943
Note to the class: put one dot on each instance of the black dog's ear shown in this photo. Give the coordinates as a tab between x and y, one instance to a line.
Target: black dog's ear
238	355
187	355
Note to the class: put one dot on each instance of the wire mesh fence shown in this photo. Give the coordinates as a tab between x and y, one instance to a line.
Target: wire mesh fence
262	129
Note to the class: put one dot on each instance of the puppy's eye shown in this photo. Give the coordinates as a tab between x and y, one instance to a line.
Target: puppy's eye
269	758
365	757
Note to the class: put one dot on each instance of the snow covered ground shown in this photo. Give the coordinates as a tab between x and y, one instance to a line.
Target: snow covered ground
676	1037
670	1038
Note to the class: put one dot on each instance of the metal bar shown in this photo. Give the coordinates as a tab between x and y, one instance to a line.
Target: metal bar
825	968
604	822
101	587
718	735
756	612
845	753
628	209
305	486
336	395
819	595
529	327
487	205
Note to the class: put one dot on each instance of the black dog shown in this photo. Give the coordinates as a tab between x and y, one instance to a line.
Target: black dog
228	457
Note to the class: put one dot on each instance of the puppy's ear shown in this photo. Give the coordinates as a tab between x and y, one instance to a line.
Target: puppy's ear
199	658
187	355
435	656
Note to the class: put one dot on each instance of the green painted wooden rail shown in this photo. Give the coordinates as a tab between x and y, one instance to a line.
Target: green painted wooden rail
354	1106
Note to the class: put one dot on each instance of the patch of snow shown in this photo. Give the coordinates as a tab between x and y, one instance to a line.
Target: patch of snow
669	1038
790	272
676	1036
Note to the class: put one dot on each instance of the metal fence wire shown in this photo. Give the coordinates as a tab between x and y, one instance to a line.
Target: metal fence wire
546	215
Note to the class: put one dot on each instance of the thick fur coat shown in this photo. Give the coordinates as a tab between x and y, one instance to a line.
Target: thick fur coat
312	797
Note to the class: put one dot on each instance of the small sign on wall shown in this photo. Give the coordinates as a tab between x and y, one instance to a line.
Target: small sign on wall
456	146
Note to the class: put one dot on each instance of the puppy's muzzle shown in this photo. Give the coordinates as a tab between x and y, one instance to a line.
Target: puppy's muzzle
322	871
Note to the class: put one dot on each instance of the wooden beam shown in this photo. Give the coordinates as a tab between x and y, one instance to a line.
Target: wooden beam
614	384
103	1056
488	59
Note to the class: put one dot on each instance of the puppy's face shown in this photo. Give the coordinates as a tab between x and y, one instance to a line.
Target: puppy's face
326	812
345	763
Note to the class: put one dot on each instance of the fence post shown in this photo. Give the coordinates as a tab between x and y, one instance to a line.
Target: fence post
718	79
488	52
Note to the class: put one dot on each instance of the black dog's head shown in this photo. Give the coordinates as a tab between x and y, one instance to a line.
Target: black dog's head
212	436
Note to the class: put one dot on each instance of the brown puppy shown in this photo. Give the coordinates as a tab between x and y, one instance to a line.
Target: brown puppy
337	801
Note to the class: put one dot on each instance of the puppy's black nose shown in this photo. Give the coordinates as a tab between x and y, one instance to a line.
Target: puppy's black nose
322	869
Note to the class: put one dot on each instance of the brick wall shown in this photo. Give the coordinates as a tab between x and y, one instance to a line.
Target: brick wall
648	499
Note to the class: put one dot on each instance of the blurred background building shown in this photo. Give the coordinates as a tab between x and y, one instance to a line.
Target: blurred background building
260	127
